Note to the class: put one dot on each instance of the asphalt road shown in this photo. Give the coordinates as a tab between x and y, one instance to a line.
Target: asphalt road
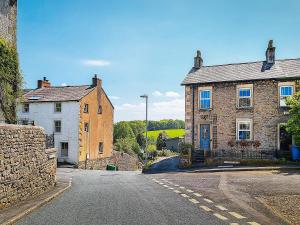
118	198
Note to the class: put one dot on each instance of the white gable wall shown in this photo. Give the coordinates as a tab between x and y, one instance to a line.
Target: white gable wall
42	113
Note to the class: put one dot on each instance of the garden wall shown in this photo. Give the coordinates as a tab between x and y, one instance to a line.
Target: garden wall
124	161
26	168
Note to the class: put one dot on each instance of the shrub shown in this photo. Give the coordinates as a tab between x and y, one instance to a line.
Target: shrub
185	149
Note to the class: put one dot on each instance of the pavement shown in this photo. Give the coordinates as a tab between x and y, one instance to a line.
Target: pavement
119	198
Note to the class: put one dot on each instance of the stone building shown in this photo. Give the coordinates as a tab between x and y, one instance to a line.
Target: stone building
8	21
239	106
79	117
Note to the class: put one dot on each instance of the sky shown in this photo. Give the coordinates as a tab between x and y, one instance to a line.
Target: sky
147	47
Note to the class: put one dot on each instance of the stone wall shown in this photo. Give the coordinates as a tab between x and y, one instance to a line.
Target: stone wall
124	161
265	114
26	167
8	18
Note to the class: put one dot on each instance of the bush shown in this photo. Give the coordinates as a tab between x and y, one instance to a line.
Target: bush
151	151
165	153
185	149
125	145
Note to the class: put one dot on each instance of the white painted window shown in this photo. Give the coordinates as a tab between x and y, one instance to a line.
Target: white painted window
244	94
244	129
57	107
64	149
57	126
25	108
205	98
285	91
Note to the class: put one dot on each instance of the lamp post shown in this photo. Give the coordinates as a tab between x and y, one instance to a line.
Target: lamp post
146	97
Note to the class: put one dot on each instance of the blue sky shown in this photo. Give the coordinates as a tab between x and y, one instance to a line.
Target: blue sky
139	46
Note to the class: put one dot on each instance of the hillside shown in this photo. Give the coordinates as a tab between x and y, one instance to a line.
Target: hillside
170	132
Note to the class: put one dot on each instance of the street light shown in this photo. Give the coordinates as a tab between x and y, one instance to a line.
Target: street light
146	97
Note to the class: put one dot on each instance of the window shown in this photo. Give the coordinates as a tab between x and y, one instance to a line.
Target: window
100	147
57	126
205	97
86	108
244	130
285	91
25	107
86	127
100	109
244	97
57	107
64	149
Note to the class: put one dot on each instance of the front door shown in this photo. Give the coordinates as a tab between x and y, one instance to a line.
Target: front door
205	137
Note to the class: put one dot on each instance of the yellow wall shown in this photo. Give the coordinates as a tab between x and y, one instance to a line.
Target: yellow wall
100	127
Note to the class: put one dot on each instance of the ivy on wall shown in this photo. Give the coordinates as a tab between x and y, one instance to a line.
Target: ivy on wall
10	81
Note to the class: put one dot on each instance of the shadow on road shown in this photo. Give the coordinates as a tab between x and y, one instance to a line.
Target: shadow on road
165	165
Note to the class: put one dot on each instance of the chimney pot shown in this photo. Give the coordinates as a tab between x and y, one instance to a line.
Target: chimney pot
270	53
198	61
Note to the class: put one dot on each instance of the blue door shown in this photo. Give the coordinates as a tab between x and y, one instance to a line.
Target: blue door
205	137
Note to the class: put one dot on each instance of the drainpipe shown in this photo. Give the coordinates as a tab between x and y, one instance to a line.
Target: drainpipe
193	117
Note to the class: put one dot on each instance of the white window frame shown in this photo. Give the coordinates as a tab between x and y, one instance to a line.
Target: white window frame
200	89
281	101
244	86
240	121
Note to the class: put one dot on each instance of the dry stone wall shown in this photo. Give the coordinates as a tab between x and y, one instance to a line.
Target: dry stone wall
124	161
26	168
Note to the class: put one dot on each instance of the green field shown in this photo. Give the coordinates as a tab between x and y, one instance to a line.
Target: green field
171	133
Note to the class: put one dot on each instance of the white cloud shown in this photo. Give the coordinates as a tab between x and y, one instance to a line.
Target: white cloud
96	62
114	97
63	84
173	109
157	93
172	94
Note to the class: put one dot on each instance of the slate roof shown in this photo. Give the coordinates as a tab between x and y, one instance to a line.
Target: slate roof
281	69
57	94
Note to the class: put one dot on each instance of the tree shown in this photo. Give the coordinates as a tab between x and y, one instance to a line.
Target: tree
293	125
10	81
124	145
141	140
161	141
122	130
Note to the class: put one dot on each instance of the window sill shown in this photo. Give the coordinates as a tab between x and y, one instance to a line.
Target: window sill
244	108
202	109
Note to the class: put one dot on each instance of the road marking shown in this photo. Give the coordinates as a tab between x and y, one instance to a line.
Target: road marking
185	196
220	216
176	185
161	183
253	223
197	194
205	208
171	188
176	191
188	190
182	187
236	215
234	224
208	200
166	186
221	207
194	200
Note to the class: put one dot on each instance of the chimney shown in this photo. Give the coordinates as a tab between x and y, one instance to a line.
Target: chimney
43	83
98	84
198	61
270	53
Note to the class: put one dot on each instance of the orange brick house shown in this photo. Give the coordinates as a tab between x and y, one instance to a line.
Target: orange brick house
79	117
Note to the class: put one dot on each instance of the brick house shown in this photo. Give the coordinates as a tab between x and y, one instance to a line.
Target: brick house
79	117
239	106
